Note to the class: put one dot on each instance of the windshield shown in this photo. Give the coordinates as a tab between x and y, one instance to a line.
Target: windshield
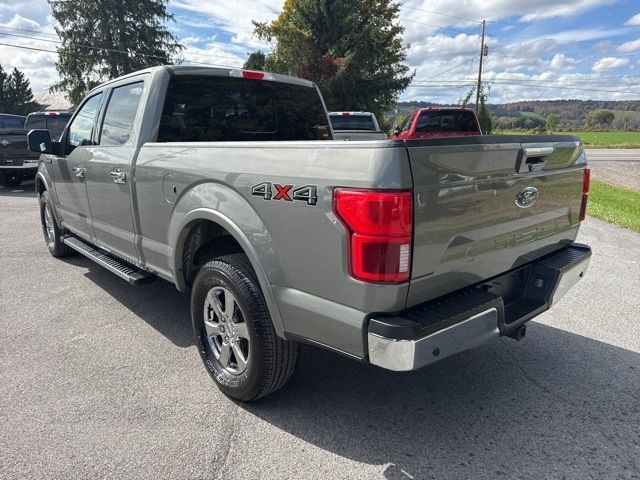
352	122
54	123
447	121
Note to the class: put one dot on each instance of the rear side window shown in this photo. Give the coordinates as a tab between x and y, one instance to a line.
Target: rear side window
406	123
447	121
214	109
12	122
81	128
121	114
352	122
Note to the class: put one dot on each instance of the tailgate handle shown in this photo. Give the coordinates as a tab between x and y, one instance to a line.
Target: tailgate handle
536	157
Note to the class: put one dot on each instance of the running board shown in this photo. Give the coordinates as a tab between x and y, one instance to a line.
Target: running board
131	275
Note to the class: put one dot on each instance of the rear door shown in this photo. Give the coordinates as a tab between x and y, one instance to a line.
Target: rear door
69	170
474	215
109	176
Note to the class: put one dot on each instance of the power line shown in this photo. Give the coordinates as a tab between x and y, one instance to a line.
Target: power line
123	60
449	69
561	87
110	49
441	27
438	13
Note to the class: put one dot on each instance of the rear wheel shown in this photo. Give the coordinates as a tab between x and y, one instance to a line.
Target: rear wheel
234	333
12	178
50	228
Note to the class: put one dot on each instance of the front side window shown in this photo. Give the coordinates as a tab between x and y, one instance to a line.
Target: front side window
81	128
213	109
406	123
121	114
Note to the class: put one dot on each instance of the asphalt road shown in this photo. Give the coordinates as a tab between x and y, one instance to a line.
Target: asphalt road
613	154
101	380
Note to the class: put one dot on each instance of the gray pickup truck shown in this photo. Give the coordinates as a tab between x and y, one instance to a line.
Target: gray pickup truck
228	184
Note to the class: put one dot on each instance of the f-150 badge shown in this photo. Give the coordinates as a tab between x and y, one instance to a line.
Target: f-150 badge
287	193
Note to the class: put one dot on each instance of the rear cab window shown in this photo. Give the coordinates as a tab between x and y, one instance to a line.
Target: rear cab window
201	108
352	122
12	122
54	123
447	121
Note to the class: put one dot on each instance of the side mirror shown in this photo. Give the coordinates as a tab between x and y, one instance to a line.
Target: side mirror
396	130
39	141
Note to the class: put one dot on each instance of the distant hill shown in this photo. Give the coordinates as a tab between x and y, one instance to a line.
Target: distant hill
573	113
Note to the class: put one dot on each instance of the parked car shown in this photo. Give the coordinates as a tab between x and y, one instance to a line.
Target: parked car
356	126
16	161
438	122
223	183
52	121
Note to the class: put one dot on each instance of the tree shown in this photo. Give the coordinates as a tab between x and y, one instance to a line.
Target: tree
553	119
105	39
351	48
484	115
600	118
255	61
16	96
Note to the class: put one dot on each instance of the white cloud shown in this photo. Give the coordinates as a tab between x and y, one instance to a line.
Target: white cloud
631	46
561	62
609	63
633	21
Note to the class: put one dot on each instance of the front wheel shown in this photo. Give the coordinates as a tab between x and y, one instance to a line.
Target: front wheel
234	333
50	229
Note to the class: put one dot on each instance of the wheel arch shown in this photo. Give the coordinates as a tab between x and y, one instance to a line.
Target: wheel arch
258	252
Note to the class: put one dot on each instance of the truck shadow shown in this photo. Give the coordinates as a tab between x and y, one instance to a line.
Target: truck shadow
27	189
158	303
557	405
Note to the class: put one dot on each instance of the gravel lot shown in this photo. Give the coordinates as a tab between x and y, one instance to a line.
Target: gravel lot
101	380
616	167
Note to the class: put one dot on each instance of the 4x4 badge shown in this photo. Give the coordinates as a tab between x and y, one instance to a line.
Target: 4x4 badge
288	193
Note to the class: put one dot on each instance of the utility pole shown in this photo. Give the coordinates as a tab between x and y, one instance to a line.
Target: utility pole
482	54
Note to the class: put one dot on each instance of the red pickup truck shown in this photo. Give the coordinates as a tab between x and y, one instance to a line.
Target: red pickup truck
438	122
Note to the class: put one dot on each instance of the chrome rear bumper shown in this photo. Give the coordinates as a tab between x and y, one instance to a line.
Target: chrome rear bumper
467	319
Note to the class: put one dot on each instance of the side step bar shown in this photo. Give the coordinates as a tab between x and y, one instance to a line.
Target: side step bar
131	275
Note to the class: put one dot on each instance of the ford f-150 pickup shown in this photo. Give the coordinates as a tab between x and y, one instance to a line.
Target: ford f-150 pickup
16	161
228	184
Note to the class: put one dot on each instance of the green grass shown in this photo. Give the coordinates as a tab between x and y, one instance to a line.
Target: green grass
598	139
608	139
620	206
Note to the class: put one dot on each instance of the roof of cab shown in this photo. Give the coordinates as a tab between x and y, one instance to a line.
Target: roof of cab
208	71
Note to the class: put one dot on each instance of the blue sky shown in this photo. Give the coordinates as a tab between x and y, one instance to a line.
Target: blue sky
538	49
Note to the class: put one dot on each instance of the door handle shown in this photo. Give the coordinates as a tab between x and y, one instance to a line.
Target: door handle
119	176
78	171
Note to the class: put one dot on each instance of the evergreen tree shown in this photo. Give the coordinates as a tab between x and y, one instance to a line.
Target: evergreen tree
105	39
16	96
255	61
351	48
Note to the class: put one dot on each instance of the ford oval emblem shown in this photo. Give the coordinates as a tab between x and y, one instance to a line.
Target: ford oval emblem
527	197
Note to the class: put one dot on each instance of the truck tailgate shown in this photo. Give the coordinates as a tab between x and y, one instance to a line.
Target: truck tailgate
473	212
13	147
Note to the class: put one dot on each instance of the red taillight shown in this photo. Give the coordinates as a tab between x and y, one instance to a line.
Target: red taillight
380	228
586	181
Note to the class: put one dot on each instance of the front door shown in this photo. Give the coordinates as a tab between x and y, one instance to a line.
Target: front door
69	170
109	182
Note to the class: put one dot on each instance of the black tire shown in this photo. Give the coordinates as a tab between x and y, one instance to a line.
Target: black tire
12	178
270	359
52	233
